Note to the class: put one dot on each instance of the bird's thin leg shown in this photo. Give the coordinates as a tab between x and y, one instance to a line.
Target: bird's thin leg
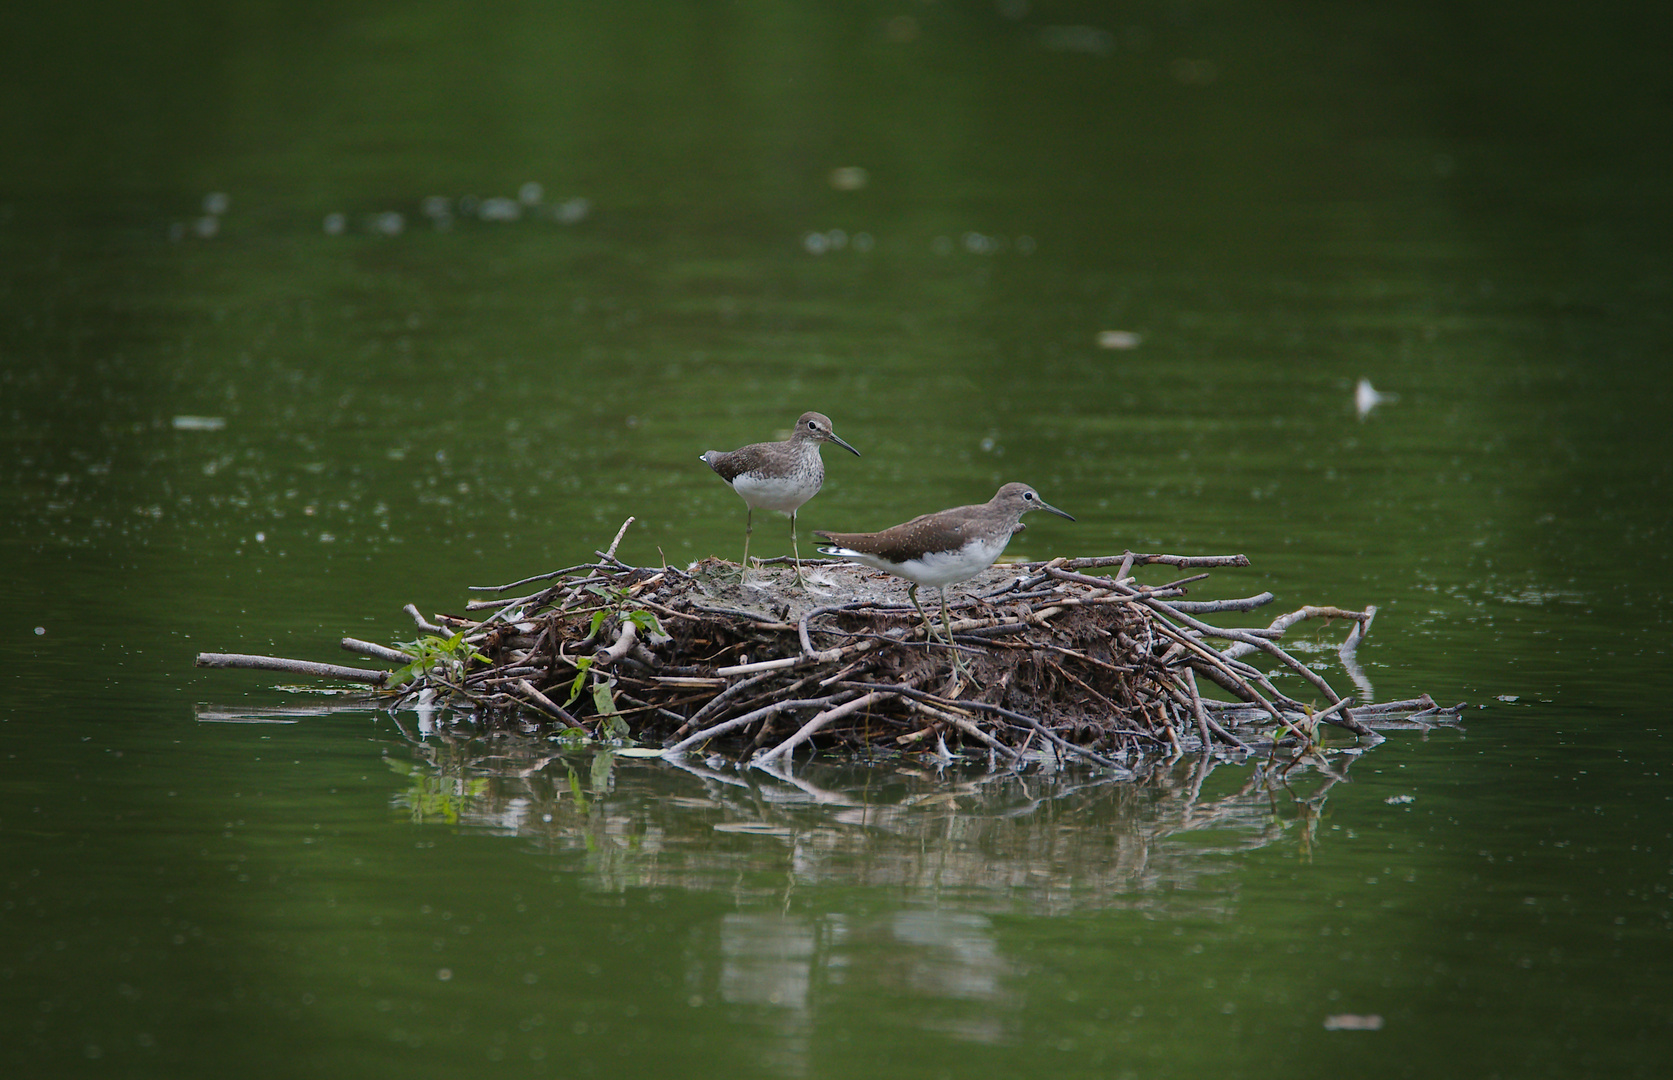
749	527
912	595
947	625
797	549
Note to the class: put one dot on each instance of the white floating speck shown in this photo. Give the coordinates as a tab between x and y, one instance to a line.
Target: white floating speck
500	209
1118	339
849	178
199	423
573	211
1368	397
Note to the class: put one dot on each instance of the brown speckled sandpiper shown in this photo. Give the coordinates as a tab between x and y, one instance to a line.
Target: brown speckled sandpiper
778	475
945	548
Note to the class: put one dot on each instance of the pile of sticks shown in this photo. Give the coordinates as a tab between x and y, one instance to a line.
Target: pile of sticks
1056	661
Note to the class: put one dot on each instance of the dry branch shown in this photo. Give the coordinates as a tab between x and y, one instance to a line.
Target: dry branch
294	667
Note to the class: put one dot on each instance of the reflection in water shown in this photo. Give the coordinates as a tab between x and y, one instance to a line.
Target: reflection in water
932	955
768	961
1000	841
893	878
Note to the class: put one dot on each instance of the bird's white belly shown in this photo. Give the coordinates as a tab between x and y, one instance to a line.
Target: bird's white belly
939	569
782	493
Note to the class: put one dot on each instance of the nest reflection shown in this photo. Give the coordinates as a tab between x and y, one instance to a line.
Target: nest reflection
1047	840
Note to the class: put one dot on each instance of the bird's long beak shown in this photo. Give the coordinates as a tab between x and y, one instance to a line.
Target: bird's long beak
1044	505
838	439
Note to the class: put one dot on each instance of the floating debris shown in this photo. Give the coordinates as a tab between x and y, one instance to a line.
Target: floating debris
573	211
849	178
1368	397
1118	339
500	208
199	423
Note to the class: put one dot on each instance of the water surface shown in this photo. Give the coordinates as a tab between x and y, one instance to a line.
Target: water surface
401	391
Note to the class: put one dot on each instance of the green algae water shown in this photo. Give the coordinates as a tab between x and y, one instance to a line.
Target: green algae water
309	314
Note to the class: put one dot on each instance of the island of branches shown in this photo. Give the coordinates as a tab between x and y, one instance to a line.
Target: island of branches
1066	659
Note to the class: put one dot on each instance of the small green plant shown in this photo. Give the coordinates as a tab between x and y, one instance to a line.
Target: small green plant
446	658
433	797
617	601
611	724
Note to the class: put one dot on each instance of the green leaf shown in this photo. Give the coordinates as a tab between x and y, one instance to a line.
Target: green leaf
603	703
575	790
574	738
604	764
581	667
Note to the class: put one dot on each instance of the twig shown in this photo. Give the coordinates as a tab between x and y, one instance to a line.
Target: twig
528	580
1210	607
1291	662
423	624
1357	634
964	725
382	652
1130	559
1283	622
738	613
1203	720
528	690
295	667
1214	660
626	635
483	605
801	624
748	718
610	555
1000	710
807	660
725	697
809	729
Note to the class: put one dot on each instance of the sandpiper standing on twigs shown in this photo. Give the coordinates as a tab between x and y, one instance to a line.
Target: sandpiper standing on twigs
778	475
945	548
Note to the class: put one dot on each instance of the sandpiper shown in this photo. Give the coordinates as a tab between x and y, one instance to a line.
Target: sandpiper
945	548
778	475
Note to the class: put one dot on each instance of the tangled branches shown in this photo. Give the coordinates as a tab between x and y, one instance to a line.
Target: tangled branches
1056	661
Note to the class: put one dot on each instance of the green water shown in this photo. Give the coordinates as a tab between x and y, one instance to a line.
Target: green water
1466	204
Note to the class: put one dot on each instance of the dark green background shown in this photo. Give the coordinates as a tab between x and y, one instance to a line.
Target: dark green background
1467	203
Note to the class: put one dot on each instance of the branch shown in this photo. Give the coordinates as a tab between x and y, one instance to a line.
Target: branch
295	667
